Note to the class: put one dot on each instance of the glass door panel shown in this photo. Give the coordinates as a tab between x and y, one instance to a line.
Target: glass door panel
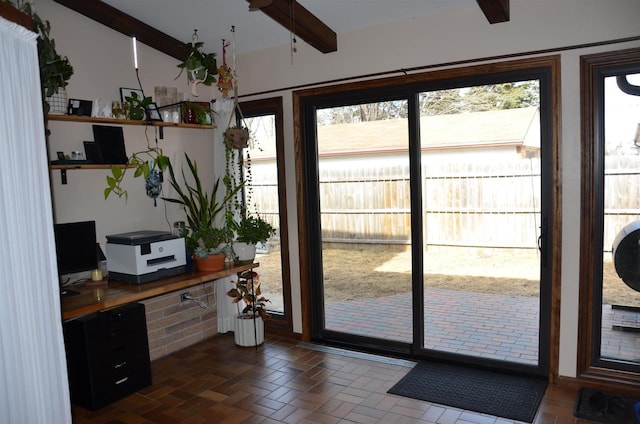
481	209
365	215
618	310
261	195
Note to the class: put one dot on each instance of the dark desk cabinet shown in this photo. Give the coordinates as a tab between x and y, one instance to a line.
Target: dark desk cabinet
107	355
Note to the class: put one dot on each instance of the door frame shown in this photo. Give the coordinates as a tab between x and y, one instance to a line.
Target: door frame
303	116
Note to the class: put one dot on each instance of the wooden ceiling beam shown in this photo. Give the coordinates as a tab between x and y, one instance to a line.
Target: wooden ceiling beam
495	10
9	12
129	26
305	25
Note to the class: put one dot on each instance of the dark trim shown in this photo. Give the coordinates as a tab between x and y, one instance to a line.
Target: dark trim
590	367
129	26
305	103
298	20
495	11
281	324
9	12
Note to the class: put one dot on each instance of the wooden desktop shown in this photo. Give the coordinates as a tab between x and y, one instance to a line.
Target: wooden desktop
116	293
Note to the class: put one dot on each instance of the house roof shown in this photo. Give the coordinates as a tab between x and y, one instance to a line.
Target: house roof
475	129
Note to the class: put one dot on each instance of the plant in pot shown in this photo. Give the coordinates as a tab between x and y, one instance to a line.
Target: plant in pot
138	106
55	70
236	137
200	67
147	163
249	323
204	238
249	232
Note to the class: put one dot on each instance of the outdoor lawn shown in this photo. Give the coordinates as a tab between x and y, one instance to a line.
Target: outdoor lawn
354	274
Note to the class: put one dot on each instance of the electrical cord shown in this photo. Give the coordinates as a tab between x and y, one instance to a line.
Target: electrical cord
198	301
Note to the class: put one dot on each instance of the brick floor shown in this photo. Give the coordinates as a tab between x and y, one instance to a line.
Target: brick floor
485	325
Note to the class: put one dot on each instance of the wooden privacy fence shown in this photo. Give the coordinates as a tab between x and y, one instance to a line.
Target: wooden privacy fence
465	203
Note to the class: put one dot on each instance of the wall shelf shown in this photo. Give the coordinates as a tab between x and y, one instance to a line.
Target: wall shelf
90	166
89	119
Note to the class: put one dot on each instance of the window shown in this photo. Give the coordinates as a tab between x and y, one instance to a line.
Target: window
266	196
609	320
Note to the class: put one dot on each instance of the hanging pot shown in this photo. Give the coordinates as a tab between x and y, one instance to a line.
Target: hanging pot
237	138
248	330
210	263
58	102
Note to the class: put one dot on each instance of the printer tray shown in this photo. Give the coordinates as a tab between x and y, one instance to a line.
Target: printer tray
147	278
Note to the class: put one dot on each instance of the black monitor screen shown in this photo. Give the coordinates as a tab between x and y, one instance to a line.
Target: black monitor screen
76	247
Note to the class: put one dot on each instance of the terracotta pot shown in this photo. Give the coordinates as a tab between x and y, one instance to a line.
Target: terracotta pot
245	334
210	263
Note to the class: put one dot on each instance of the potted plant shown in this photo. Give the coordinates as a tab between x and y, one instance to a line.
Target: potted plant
249	323
55	70
236	137
138	106
200	67
204	237
146	162
249	232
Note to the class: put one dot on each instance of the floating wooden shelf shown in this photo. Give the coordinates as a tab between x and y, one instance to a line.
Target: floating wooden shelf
91	120
89	166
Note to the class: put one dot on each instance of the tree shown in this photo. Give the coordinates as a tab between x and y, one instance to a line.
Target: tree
480	98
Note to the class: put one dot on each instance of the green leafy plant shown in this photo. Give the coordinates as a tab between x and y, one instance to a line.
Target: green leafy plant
198	65
202	209
144	162
247	291
139	106
55	70
253	230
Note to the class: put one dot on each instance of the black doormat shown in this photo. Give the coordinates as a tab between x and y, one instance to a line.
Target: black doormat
604	407
503	395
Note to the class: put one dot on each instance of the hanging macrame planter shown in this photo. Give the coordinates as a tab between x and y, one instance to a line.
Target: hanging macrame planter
236	138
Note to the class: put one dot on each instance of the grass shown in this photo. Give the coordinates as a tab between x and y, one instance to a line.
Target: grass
375	272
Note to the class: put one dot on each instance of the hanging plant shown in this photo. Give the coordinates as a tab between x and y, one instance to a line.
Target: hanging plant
146	162
236	137
55	70
200	67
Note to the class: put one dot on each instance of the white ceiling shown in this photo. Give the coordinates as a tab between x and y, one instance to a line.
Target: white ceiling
256	31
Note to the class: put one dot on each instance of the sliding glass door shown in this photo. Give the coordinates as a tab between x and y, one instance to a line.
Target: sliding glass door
428	228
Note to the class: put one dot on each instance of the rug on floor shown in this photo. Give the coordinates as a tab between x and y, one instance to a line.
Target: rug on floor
503	395
604	407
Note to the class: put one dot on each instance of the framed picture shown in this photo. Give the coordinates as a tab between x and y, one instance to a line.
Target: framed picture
153	113
126	92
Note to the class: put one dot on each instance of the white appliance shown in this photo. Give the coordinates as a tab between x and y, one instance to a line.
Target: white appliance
144	256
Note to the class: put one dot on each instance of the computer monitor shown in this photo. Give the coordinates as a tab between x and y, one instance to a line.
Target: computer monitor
76	247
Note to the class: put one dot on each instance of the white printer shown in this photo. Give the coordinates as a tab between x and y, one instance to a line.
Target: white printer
143	256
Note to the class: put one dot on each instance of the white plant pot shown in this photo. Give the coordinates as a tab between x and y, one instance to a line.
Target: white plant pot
245	334
245	251
58	102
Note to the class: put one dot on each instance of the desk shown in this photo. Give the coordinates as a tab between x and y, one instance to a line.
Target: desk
116	293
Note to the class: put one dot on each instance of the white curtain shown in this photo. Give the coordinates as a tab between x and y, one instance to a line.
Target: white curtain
33	380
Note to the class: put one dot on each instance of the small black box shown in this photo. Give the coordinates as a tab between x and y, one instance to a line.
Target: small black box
80	107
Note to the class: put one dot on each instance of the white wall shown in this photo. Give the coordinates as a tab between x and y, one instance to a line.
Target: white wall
103	63
454	36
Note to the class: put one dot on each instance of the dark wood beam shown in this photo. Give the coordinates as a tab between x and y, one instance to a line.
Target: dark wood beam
305	25
12	14
495	10
129	26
